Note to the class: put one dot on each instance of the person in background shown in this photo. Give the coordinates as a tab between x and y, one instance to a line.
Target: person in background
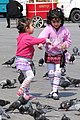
14	10
60	37
24	54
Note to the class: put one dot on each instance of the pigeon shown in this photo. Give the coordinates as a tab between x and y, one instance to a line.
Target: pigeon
9	62
43	108
3	114
72	58
41	62
75	106
64	83
63	59
67	104
37	115
16	104
4	102
46	74
75	51
33	67
21	76
7	83
24	108
4	83
73	81
79	53
64	117
63	70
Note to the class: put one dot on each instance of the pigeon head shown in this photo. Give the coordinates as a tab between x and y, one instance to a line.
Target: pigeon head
64	117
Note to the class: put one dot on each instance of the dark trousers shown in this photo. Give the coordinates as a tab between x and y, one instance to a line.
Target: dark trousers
14	16
8	21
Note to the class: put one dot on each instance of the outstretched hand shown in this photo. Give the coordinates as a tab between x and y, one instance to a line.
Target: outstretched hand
40	46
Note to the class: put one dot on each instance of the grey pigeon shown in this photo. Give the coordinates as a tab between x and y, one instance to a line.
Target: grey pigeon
41	62
64	117
36	114
73	81
75	106
16	104
4	102
67	104
72	58
63	71
21	76
75	50
9	62
7	83
64	83
3	114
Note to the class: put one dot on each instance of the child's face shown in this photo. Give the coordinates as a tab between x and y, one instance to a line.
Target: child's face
56	23
30	30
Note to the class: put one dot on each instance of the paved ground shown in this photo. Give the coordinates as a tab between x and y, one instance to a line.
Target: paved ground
40	87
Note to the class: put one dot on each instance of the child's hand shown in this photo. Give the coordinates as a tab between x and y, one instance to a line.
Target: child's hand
40	46
48	41
63	46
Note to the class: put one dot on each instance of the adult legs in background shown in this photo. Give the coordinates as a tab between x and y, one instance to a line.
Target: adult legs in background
8	21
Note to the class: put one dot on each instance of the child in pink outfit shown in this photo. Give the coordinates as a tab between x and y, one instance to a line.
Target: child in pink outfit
24	54
60	38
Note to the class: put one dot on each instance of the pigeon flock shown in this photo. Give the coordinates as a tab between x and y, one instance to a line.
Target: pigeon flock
36	109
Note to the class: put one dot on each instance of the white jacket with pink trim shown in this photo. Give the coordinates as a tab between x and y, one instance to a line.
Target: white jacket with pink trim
57	38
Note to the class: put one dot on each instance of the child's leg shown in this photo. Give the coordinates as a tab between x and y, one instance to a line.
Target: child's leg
54	77
25	87
51	68
57	75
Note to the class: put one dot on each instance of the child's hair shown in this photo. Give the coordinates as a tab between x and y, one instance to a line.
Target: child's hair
23	23
55	13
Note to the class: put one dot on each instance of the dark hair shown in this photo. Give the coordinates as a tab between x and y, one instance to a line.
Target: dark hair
23	23
55	13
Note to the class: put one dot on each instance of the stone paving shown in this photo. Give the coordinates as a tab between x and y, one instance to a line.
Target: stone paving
40	87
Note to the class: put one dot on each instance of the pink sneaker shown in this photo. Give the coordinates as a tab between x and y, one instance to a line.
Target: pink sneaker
20	92
29	97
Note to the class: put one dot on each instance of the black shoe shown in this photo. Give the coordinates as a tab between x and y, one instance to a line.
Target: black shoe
49	96
8	26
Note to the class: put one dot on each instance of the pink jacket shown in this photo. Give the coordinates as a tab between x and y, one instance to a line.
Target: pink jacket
57	38
25	44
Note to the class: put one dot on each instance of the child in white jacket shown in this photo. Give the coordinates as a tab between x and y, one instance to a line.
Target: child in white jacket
60	38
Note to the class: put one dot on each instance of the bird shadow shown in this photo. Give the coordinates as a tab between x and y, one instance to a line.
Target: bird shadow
54	116
37	94
9	87
68	89
67	94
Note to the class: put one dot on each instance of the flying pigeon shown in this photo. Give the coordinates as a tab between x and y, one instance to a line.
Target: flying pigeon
9	62
41	62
